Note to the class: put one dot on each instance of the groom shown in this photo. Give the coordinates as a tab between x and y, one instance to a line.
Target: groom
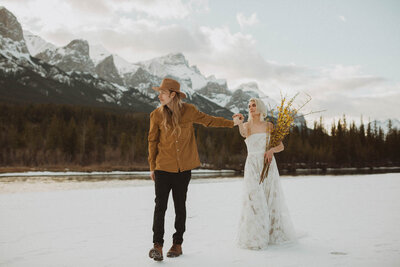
172	156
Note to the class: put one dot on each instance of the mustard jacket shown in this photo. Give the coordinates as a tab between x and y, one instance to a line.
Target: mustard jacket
168	152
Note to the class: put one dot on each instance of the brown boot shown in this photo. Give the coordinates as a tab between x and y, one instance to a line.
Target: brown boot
175	251
156	252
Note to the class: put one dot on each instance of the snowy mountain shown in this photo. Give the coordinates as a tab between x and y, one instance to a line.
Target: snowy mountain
126	83
176	65
107	70
124	66
27	79
12	40
72	57
69	75
36	44
243	93
98	53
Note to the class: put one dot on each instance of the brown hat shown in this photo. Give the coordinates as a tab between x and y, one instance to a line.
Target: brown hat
171	85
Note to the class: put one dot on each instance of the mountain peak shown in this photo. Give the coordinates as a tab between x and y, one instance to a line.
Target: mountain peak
251	87
98	53
11	30
9	25
174	59
36	44
244	86
72	57
79	45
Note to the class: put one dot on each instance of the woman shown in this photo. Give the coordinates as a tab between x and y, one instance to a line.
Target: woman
172	156
264	218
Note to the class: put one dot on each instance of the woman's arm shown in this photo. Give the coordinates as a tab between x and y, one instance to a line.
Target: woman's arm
243	130
269	153
279	148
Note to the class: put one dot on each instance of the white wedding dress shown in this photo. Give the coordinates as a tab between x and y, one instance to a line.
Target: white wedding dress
264	217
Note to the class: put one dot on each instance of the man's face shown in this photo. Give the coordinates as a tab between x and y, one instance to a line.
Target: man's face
165	96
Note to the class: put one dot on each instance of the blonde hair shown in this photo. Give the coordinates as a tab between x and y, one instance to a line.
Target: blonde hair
172	116
260	107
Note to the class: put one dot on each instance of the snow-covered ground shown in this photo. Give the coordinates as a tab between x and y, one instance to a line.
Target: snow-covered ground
347	221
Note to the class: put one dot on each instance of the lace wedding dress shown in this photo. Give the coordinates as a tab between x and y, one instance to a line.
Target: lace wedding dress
264	218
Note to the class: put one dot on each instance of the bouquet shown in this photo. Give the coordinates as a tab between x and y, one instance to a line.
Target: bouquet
286	115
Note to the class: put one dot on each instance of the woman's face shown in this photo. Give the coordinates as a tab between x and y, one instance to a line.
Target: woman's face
253	108
165	96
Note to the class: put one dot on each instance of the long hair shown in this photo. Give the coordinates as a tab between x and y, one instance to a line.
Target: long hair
260	107
172	116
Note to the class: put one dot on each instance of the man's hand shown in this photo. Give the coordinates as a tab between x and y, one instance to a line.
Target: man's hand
152	175
237	119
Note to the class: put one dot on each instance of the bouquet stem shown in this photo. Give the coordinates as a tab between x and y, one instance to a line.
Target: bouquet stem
264	172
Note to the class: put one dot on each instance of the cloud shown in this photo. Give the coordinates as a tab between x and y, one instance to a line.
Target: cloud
100	7
342	18
35	24
353	94
250	21
137	32
160	9
59	36
379	107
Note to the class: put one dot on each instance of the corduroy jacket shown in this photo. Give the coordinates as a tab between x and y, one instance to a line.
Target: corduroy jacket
167	151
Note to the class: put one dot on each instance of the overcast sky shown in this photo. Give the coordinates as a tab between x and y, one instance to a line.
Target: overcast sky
344	53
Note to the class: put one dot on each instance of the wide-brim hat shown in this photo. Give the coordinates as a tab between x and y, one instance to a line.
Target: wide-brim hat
171	85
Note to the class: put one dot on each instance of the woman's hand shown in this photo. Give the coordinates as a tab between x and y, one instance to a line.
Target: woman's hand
268	156
238	118
152	176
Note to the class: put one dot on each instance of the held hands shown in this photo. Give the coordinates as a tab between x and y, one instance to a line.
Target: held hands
237	119
268	156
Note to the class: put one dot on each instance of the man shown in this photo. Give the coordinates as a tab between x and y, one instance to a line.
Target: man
172	156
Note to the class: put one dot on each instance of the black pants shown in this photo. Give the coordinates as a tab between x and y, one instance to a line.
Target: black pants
164	182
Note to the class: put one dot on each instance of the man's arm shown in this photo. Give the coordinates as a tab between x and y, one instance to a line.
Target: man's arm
210	121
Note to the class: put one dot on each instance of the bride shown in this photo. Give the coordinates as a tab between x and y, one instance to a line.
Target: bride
264	217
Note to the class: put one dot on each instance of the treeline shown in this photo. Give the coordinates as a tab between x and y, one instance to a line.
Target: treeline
345	145
62	136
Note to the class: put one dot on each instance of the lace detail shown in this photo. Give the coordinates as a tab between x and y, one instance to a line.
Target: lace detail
264	218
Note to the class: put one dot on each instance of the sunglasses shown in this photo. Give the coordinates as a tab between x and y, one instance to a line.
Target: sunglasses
252	105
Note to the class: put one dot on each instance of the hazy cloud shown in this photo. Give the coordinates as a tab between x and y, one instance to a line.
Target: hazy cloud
90	6
160	9
243	21
137	30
